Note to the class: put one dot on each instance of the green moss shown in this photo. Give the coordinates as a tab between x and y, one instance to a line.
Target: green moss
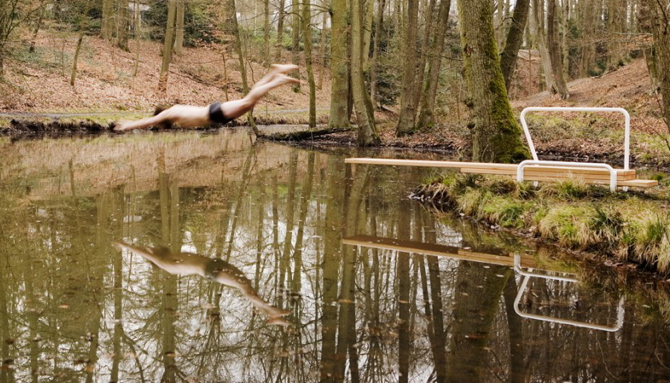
624	225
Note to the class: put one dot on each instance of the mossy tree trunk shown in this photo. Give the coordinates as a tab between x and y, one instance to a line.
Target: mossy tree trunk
339	66
495	133
661	32
514	39
407	98
367	134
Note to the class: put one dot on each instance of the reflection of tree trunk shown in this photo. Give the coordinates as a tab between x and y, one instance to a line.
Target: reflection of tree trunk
169	197
434	312
117	265
284	268
304	207
403	300
241	193
626	345
6	374
477	294
330	266
518	373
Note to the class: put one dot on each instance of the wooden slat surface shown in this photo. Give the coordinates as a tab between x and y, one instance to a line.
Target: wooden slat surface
535	173
428	163
433	249
531	172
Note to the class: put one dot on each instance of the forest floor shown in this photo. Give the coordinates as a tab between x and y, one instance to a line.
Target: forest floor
112	84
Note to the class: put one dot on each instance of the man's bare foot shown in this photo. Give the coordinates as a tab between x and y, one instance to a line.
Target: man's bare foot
284	68
282	79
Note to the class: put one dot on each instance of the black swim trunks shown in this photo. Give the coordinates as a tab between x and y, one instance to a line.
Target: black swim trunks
216	114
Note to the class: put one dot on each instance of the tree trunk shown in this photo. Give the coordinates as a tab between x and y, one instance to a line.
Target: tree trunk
82	28
295	41
179	29
537	24
367	32
514	39
375	53
243	67
423	52
367	134
407	105
138	33
661	32
167	47
426	114
555	52
496	135
75	59
322	47
280	31
266	33
307	38
645	23
339	64
123	21
107	24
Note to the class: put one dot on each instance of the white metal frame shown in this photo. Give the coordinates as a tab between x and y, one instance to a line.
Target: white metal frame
613	175
522	289
626	144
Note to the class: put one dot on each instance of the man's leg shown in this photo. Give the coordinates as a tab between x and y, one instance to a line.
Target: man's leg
236	108
276	69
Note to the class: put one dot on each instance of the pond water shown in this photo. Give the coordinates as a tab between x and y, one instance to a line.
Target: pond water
214	258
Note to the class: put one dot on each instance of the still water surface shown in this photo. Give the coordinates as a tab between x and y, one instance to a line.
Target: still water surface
214	258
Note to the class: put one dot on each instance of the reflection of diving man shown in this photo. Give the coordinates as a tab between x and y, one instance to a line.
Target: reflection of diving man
215	269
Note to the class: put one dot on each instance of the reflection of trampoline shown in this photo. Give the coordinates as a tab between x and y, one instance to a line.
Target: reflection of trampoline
530	274
494	259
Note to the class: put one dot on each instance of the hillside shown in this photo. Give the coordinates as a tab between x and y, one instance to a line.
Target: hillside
39	82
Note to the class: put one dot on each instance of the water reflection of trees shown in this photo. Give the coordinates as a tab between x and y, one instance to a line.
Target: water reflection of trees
73	308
